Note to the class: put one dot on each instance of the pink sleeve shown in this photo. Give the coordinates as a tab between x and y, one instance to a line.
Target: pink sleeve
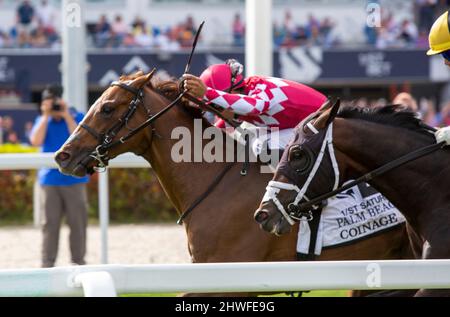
255	104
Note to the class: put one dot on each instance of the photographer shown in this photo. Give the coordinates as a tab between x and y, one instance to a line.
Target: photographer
60	194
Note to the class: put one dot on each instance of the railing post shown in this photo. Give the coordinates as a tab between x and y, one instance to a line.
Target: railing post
103	205
96	284
36	205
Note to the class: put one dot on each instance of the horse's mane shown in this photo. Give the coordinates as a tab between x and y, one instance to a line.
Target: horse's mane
170	89
167	88
387	115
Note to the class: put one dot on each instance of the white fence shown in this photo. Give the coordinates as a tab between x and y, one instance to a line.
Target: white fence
110	280
45	160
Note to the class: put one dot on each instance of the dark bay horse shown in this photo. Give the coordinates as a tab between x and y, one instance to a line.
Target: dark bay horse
221	228
363	141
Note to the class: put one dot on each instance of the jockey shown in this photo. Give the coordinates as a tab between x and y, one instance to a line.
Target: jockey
262	101
440	38
440	44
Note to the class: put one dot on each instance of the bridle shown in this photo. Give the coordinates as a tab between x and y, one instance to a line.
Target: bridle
107	140
303	211
294	212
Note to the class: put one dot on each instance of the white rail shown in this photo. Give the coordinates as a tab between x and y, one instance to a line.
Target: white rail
109	280
45	160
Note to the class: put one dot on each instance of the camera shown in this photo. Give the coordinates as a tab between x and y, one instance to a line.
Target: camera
53	91
56	107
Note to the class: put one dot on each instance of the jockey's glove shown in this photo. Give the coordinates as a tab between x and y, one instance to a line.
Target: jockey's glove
443	135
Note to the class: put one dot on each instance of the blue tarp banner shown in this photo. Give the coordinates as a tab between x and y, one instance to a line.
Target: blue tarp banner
307	65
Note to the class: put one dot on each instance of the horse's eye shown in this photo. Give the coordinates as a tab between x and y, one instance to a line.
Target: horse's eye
299	160
106	109
295	153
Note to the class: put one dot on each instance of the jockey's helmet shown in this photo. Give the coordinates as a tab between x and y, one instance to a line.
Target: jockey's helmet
440	35
224	77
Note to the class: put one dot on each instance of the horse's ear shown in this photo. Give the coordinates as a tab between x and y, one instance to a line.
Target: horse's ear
327	105
143	80
326	118
334	112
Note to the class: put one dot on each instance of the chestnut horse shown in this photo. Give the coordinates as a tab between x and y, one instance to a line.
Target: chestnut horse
221	227
393	150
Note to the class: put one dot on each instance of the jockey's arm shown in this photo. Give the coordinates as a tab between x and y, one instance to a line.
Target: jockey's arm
254	104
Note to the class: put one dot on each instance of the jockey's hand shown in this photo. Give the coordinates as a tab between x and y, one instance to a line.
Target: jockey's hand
443	135
194	86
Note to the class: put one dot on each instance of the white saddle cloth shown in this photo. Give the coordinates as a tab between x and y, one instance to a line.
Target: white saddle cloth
352	215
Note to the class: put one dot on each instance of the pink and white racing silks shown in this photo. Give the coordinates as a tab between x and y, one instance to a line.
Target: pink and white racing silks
269	102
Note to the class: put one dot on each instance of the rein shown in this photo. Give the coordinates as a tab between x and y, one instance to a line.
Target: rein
377	172
107	139
302	211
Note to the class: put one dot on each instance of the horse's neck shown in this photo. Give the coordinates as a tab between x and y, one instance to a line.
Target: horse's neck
367	149
186	181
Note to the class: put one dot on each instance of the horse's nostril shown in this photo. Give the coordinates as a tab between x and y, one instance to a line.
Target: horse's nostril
261	216
62	156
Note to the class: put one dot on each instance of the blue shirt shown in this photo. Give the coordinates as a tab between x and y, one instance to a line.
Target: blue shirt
26	13
57	134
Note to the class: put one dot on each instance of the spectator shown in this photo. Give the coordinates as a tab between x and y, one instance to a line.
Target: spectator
28	127
4	41
444	116
60	194
103	32
46	16
138	23
143	38
406	102
289	26
39	38
25	17
7	128
238	30
119	30
428	113
371	34
325	30
426	12
408	32
13	138
1	130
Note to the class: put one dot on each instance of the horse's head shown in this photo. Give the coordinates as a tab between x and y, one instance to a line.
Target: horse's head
301	174
98	138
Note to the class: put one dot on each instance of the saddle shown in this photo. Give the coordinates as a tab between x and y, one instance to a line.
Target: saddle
259	144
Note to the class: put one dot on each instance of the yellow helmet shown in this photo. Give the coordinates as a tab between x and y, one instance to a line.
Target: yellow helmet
440	35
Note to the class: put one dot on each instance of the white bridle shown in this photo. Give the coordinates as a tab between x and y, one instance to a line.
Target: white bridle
275	187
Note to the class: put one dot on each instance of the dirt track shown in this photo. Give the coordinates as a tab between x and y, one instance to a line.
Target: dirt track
128	244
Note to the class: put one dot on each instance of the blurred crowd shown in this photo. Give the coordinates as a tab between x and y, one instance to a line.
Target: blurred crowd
35	27
394	33
118	33
9	134
426	108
